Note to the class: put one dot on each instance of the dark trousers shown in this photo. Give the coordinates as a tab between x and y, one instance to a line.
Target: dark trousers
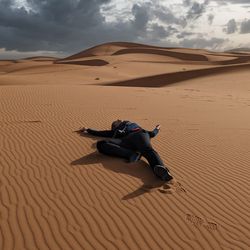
128	145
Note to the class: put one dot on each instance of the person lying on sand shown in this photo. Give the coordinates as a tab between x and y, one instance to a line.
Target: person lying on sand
130	141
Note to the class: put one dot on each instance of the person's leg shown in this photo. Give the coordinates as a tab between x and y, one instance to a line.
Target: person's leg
112	148
152	156
140	141
156	164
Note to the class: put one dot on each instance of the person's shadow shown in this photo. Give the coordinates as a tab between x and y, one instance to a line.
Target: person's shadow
140	170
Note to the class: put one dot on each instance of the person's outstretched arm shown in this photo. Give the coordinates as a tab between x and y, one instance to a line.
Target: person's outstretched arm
154	132
101	133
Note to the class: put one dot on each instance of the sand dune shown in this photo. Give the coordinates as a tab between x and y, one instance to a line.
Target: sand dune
114	49
107	49
57	192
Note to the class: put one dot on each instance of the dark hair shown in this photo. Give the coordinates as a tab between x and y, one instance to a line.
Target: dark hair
115	124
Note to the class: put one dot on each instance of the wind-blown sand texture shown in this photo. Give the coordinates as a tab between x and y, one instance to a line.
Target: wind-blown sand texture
57	192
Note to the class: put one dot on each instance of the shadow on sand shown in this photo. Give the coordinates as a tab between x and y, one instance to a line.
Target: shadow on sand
162	80
139	170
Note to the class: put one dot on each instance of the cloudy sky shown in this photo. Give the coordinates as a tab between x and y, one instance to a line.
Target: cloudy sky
64	27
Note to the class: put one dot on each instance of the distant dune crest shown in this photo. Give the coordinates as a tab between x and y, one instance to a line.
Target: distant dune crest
129	64
177	54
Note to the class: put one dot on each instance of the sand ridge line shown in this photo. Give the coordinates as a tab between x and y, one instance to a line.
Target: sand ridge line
182	56
94	62
162	80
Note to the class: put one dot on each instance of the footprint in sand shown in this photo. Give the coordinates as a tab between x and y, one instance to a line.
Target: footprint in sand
200	222
172	187
179	188
166	189
211	226
195	220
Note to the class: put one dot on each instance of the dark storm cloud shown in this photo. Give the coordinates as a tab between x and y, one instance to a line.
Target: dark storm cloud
63	25
231	27
141	16
165	15
49	25
159	31
245	26
70	26
73	25
195	9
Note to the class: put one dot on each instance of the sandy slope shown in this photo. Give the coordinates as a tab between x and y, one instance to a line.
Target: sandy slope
56	192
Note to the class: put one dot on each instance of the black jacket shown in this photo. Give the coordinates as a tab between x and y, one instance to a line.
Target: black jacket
122	130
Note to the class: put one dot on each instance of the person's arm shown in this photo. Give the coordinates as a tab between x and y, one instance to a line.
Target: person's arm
154	132
102	133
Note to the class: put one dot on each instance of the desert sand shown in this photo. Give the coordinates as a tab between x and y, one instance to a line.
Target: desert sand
57	192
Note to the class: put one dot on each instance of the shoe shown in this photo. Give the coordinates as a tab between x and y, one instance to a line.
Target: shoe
134	157
162	172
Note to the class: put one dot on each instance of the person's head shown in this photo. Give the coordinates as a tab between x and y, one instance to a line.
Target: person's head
115	124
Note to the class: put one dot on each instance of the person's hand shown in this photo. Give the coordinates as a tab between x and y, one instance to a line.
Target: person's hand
82	130
158	126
